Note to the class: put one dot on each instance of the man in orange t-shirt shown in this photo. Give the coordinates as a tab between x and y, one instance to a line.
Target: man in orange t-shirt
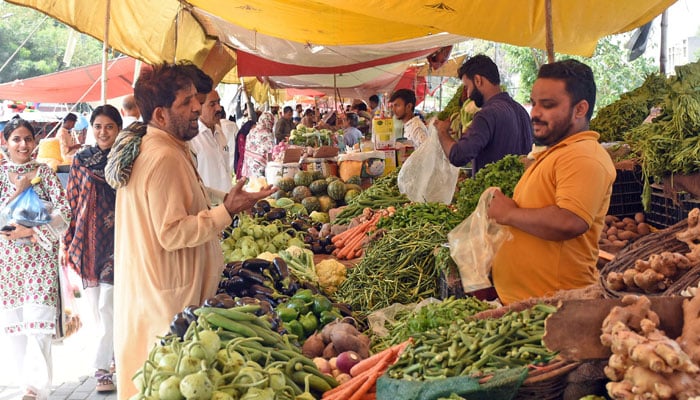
558	207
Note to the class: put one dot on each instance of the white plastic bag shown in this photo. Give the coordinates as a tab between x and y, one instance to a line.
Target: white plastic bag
474	243
427	175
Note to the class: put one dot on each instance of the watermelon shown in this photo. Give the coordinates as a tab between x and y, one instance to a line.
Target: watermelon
318	175
352	186
355	179
336	190
286	183
301	192
326	203
311	203
303	178
331	178
318	187
351	194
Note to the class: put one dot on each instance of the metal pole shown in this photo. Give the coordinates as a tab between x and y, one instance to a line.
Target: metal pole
549	38
663	51
105	55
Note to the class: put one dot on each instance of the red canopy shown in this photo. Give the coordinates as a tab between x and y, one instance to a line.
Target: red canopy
75	85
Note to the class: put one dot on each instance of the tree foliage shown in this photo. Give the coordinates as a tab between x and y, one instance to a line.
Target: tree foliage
43	53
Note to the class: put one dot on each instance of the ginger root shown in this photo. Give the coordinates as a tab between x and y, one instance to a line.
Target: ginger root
652	275
691	236
690	337
646	364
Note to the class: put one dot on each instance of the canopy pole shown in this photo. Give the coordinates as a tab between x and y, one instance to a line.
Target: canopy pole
105	54
549	38
663	51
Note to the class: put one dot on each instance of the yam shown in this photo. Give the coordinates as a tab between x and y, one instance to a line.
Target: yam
619	243
639	217
643	229
619	225
610	219
627	235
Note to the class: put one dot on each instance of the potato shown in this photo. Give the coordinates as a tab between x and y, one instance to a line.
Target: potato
639	217
612	231
643	228
619	243
628	220
619	225
612	238
604	242
627	235
609	219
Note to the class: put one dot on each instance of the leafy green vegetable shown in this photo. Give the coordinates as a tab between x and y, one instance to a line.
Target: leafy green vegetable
504	174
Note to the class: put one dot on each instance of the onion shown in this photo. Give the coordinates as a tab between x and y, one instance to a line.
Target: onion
322	365
346	360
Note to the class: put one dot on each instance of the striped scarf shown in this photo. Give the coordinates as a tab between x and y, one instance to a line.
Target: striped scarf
126	148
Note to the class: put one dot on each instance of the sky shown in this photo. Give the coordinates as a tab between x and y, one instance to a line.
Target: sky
683	20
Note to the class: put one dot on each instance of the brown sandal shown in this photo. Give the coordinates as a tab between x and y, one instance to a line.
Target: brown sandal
104	382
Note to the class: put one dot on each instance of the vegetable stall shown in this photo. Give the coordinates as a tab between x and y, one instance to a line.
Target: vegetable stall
342	288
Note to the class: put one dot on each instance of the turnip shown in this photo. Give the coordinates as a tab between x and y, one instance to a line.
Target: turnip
188	365
277	379
322	364
211	342
170	389
346	360
168	362
219	395
196	386
259	394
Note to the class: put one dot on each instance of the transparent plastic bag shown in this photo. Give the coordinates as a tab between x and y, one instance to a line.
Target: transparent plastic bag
379	319
474	243
68	321
27	209
427	175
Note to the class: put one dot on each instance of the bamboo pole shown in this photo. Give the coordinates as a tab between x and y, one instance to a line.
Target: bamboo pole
549	38
105	54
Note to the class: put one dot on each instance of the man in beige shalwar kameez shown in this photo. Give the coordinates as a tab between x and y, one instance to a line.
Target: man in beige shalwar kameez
167	253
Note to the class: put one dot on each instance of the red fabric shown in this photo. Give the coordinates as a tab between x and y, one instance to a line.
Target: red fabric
410	80
69	86
252	65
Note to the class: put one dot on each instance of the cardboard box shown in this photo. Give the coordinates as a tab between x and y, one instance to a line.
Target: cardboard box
402	154
293	154
383	132
389	161
326	151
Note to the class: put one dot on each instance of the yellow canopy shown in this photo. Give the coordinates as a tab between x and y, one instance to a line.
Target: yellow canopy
207	31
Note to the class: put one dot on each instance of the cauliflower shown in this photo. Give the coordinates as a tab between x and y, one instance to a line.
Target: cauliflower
295	251
267	256
331	273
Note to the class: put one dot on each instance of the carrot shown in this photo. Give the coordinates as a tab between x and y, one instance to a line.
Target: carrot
390	353
349	248
350	386
371	381
369	396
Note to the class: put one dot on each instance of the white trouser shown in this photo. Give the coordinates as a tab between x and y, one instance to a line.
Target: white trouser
31	351
99	304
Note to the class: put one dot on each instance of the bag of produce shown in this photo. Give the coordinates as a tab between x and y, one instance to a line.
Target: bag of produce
474	243
27	209
427	175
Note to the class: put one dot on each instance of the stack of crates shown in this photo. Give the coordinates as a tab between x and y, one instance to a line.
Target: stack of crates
626	198
665	210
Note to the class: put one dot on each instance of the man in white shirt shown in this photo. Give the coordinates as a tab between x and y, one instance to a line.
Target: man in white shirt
403	102
211	150
130	112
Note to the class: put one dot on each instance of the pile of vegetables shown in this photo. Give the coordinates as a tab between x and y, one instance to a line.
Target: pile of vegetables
252	237
645	363
383	193
418	214
350	243
409	321
619	232
671	143
615	119
476	347
227	354
311	137
336	338
306	312
397	268
504	174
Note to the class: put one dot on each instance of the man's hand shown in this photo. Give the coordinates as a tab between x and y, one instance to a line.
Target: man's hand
500	207
238	200
443	127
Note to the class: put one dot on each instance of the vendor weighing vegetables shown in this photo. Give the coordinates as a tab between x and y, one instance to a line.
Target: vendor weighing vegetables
559	205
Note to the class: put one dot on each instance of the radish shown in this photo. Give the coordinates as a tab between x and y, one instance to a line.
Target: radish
346	360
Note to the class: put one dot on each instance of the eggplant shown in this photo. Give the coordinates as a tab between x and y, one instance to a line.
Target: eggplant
252	277
256	265
292	288
263	204
261	298
246	300
300	225
309	239
317	248
260	289
326	240
276	213
189	313
179	325
280	266
329	249
235	285
213	302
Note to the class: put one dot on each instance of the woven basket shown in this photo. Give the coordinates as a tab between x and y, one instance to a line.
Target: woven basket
546	383
654	243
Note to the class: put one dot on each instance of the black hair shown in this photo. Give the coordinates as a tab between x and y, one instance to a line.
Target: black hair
374	98
360	107
202	82
15	123
407	95
353	119
482	65
287	109
108	111
70	117
578	79
158	87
